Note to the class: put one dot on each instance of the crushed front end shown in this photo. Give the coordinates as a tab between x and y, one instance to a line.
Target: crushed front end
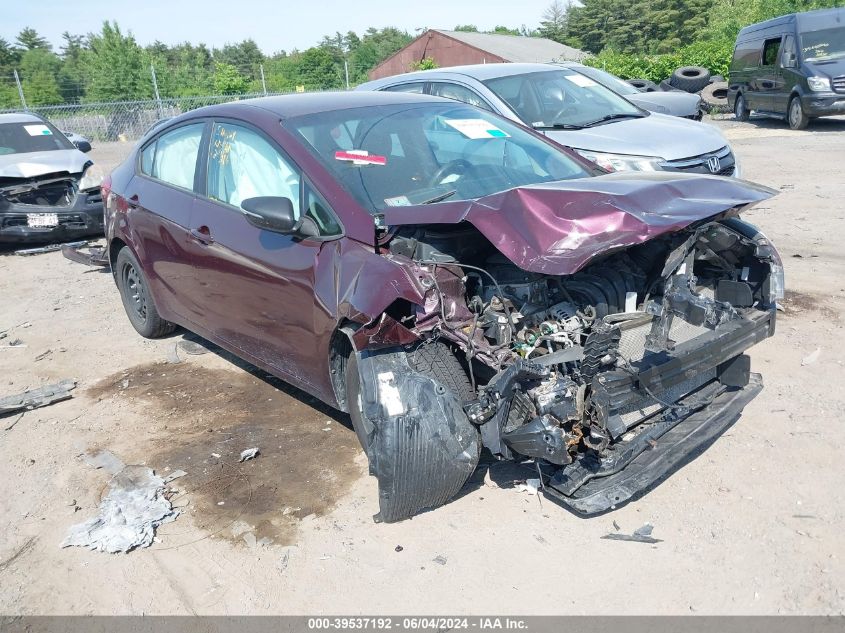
49	208
603	380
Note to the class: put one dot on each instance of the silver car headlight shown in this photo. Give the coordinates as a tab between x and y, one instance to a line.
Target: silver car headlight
622	162
92	178
819	84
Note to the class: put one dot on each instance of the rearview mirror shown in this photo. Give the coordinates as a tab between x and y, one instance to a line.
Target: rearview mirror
273	213
83	146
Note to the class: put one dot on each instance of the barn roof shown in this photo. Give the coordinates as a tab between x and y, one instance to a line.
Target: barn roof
515	48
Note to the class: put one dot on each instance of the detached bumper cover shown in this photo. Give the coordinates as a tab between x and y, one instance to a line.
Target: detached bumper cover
422	447
83	218
638	465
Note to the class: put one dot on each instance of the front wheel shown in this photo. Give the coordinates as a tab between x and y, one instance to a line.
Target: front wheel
741	111
137	301
797	119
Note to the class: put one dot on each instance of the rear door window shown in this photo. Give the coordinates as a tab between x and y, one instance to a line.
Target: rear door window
172	157
458	93
414	87
771	48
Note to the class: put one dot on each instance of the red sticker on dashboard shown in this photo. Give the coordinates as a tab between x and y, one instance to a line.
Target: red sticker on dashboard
360	157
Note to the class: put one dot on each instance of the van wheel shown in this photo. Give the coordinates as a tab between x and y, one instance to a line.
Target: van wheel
797	119
137	301
741	111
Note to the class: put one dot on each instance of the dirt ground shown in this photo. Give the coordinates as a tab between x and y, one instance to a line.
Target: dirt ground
753	526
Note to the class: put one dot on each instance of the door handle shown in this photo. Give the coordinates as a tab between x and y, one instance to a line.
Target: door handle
202	235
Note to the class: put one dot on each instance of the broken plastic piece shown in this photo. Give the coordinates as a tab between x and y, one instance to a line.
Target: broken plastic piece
96	256
34	398
250	453
640	535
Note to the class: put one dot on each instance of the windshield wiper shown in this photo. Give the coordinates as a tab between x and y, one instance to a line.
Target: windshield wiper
613	117
441	197
558	126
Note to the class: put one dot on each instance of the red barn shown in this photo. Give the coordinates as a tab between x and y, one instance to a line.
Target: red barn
455	48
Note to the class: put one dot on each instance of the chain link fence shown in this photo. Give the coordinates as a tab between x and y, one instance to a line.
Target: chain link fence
123	120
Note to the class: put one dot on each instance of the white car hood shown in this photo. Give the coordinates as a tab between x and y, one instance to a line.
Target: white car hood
668	137
33	164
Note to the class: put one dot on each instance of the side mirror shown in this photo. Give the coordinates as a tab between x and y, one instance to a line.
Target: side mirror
83	146
790	61
273	213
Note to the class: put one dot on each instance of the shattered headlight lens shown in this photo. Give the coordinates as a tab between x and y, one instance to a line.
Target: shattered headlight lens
92	178
819	84
622	162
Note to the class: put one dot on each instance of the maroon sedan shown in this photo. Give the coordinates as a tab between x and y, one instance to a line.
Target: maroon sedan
453	281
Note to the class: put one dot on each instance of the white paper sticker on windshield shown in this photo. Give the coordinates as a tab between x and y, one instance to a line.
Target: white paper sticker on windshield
477	128
398	201
37	130
581	80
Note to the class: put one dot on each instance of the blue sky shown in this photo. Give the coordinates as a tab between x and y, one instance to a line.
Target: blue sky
274	25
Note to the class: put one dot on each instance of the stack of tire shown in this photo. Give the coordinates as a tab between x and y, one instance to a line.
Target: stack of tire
713	89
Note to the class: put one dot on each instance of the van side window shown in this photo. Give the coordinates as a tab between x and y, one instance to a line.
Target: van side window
770	52
788	55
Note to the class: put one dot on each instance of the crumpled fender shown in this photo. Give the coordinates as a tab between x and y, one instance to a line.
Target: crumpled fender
422	447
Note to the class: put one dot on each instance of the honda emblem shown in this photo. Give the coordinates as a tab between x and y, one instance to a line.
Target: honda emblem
714	164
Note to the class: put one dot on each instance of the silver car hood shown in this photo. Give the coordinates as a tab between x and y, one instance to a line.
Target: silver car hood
668	137
32	164
673	103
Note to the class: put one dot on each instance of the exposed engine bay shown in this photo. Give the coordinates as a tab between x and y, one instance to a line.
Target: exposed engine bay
582	374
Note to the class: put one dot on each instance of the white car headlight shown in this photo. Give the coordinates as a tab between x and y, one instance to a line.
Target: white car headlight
92	178
622	162
819	84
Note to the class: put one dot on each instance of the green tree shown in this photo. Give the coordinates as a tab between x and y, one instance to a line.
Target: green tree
71	77
117	67
554	23
29	39
245	56
375	46
426	63
227	79
39	70
466	28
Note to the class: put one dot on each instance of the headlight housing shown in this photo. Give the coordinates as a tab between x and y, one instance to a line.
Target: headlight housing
92	178
819	84
622	162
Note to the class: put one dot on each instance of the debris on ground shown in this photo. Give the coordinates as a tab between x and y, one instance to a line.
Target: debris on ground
43	355
15	343
23	549
49	248
96	255
128	516
176	474
194	348
250	453
531	486
811	358
34	398
640	535
440	560
488	480
398	548
106	460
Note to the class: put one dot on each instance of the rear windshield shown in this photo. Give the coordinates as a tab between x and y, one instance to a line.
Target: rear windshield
36	136
823	44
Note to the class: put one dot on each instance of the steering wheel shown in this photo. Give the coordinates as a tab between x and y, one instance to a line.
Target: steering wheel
458	166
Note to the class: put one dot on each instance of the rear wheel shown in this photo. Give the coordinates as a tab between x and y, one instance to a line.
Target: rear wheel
137	301
741	111
796	117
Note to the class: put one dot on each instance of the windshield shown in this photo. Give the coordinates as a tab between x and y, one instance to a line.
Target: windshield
823	44
35	136
561	98
608	81
400	155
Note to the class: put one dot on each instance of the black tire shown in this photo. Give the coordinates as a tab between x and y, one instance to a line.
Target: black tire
137	300
716	79
741	111
690	78
715	96
795	114
435	360
644	85
665	86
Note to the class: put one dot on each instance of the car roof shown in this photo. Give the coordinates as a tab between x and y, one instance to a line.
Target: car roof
481	72
20	117
293	105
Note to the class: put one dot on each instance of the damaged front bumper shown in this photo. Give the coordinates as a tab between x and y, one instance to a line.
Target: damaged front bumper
19	223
